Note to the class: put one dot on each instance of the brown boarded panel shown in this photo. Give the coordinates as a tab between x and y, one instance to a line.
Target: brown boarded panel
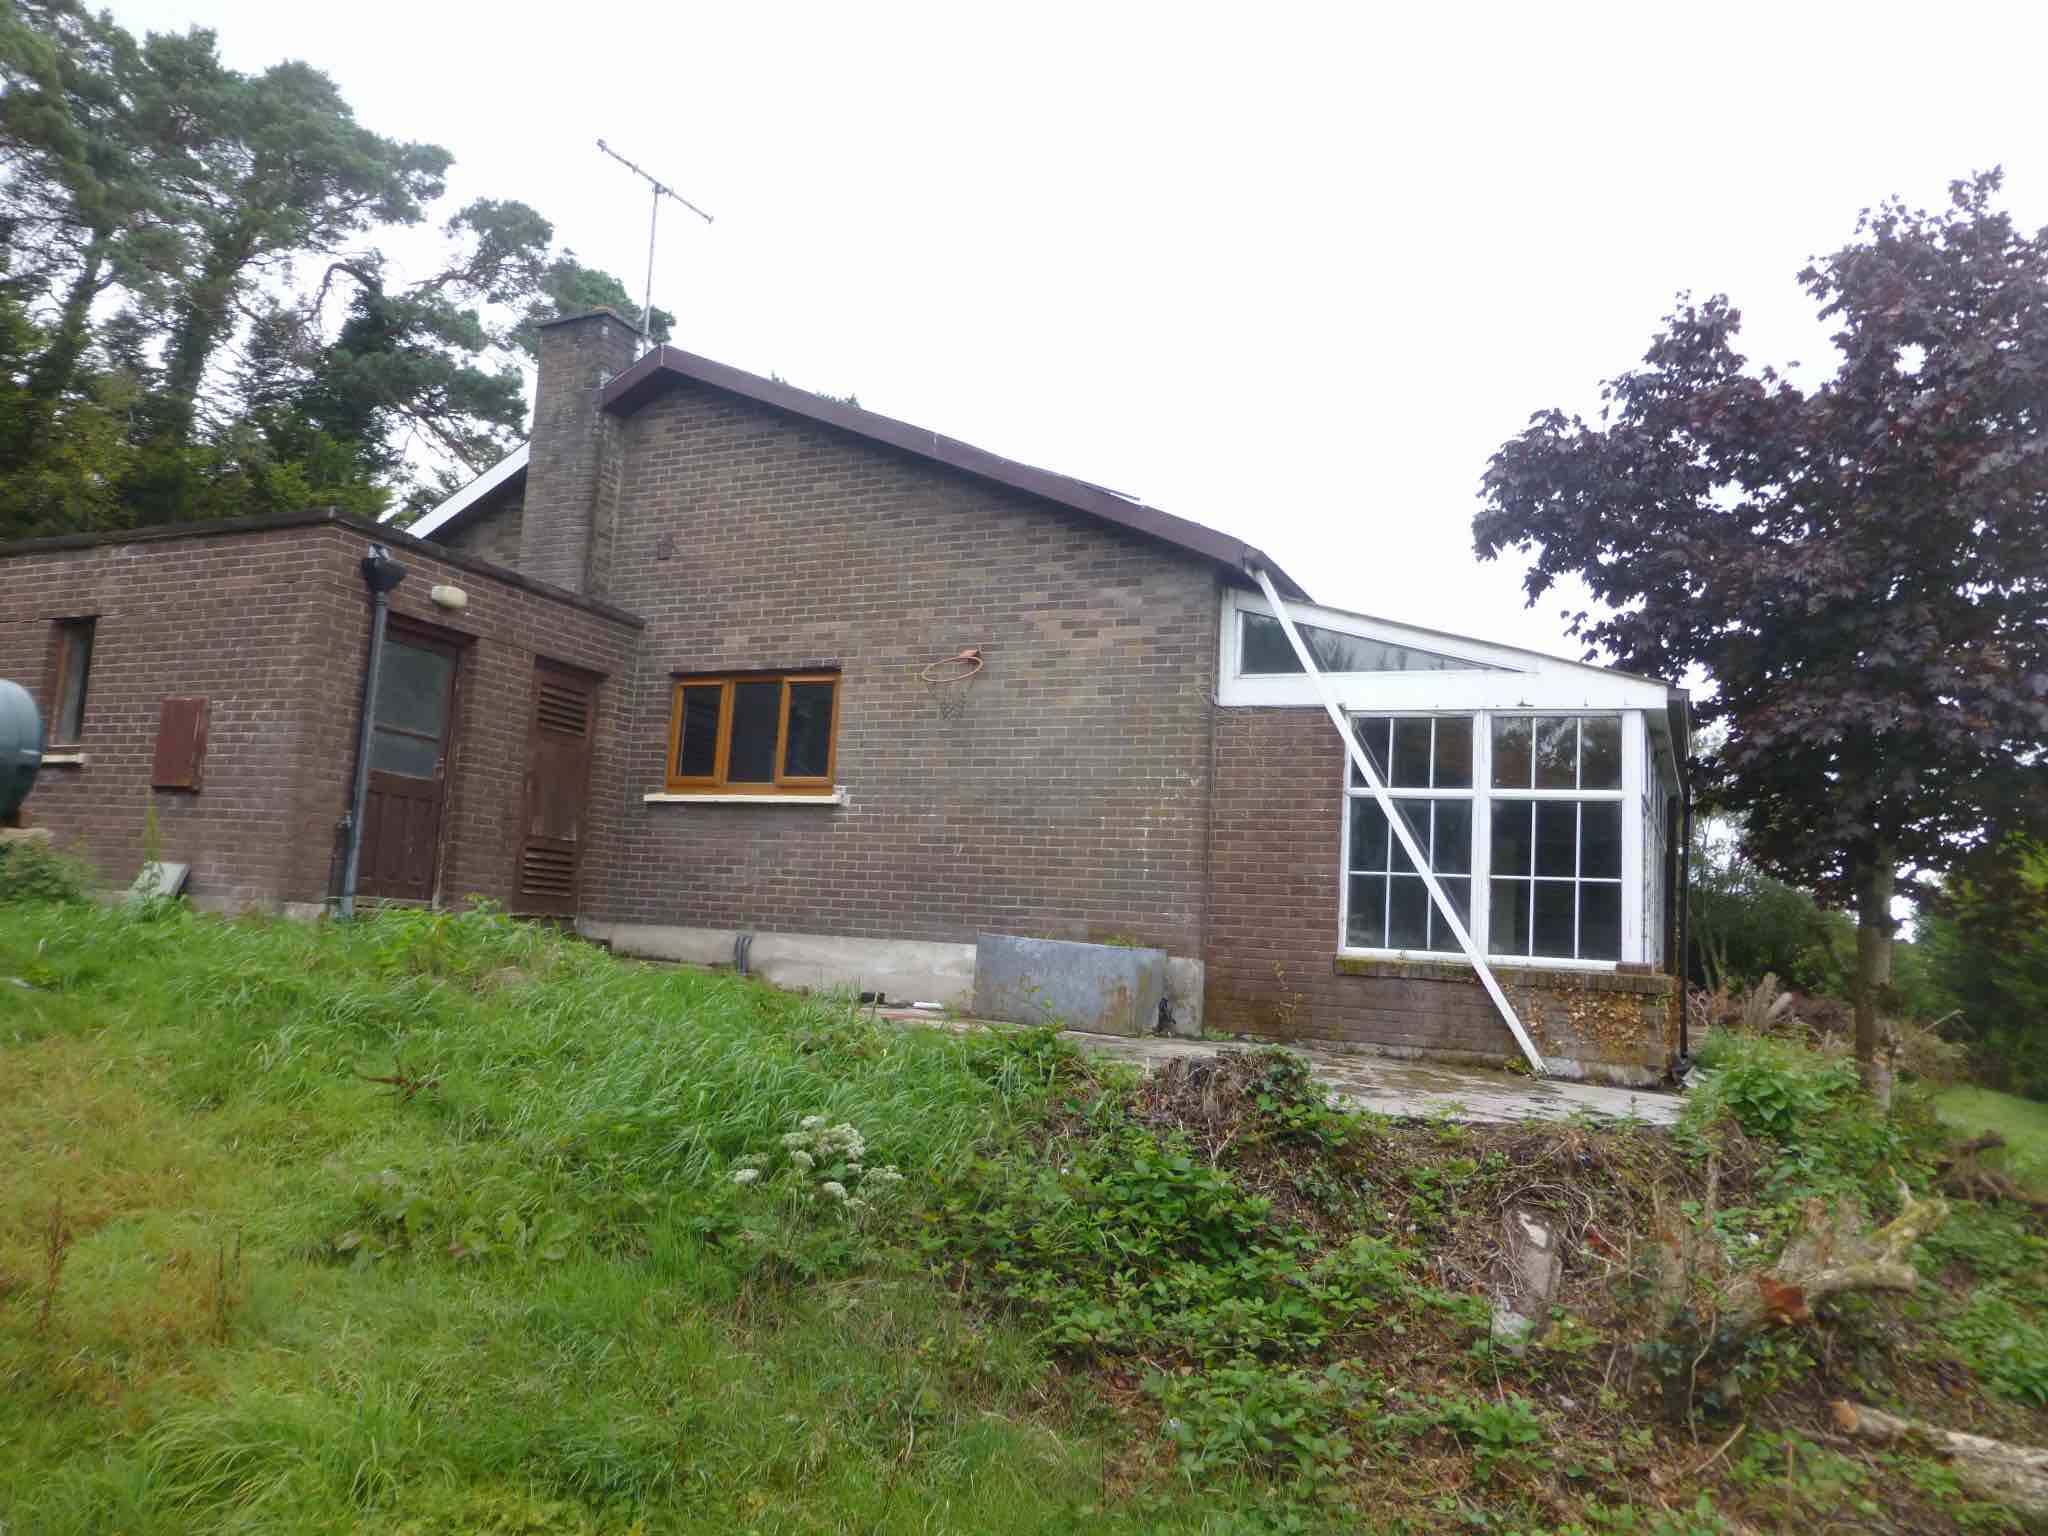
180	744
558	745
401	836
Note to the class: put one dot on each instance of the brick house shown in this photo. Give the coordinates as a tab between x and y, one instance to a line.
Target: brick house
719	667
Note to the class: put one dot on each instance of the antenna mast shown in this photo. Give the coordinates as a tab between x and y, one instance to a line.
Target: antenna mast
661	190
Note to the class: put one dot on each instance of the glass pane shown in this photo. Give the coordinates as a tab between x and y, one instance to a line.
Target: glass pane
1454	752
1600	840
75	667
1407	913
1460	892
809	752
1416	814
1557	837
697	751
1552	923
1265	650
1452	851
1511	748
413	756
1600	765
1369	837
412	688
1513	843
756	717
1508	918
1371	731
1557	751
1600	921
1411	752
1366	927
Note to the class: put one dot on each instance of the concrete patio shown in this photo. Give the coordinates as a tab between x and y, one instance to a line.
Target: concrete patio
1385	1086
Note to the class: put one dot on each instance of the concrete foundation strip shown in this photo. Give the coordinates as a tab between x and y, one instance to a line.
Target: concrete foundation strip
1370	774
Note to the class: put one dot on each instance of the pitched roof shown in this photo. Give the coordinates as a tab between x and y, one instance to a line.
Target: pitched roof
472	496
667	365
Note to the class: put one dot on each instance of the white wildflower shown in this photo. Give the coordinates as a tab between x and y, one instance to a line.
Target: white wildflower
811	1122
832	1189
745	1175
796	1139
802	1161
884	1175
854	1169
856	1204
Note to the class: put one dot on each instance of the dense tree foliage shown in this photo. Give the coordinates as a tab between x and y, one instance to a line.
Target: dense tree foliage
1745	925
196	319
1860	567
1986	942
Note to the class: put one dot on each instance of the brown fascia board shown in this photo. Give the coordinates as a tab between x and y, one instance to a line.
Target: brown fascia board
640	383
163	533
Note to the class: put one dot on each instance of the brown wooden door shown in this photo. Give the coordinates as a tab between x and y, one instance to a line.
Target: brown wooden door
409	743
557	786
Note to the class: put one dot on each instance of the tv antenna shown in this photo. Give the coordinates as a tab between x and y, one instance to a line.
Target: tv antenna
661	190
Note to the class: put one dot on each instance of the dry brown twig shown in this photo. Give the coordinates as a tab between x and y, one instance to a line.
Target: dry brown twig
2013	1475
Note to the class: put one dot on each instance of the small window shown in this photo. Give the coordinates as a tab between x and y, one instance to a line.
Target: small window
755	733
70	668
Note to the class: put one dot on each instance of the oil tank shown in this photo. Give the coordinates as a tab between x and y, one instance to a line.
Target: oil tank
21	747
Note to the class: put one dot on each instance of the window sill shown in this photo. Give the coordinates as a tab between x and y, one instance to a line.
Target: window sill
661	797
68	757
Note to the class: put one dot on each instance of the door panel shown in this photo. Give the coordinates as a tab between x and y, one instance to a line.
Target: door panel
409	744
558	741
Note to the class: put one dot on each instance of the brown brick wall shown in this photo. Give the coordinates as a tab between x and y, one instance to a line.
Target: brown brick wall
1272	960
1069	800
231	618
502	630
271	626
573	455
495	536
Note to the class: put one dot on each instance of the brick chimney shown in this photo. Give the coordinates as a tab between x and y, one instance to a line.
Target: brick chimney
572	455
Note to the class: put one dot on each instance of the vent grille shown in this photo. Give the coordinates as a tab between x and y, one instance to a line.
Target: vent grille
548	872
566	710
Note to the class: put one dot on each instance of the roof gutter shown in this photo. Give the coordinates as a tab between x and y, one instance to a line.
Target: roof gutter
1399	826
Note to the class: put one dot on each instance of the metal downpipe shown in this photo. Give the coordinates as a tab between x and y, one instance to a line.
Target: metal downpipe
381	574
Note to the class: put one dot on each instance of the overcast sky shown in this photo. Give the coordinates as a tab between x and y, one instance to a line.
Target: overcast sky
1292	271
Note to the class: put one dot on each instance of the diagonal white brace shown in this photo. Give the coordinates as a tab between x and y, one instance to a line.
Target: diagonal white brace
1409	846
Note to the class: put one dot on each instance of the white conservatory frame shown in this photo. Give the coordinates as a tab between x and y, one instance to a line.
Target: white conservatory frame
1503	680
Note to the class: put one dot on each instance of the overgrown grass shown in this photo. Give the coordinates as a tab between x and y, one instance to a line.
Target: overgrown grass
439	1223
551	1314
2022	1122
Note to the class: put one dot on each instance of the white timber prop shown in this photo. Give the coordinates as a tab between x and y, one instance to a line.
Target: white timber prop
1399	826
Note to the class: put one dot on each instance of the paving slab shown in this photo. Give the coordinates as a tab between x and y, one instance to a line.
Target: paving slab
1398	1089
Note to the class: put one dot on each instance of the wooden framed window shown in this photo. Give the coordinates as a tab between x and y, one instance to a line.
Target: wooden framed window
753	733
70	666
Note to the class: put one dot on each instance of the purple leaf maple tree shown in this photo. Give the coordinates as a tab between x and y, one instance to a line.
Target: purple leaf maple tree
1860	567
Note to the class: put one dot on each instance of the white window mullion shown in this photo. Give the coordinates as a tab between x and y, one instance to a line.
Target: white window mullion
1482	831
1634	757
